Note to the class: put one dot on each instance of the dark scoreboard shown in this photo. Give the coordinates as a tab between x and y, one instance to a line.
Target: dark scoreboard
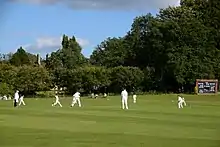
207	86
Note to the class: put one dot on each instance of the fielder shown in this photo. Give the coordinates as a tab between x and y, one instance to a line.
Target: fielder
134	98
76	99
181	100
57	101
21	100
16	98
124	99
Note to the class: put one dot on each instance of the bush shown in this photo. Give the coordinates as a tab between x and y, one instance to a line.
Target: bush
126	77
6	89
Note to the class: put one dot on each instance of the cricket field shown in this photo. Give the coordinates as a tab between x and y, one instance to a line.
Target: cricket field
154	121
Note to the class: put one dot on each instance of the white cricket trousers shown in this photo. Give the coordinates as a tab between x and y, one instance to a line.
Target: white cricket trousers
134	98
124	103
76	100
21	102
57	102
180	104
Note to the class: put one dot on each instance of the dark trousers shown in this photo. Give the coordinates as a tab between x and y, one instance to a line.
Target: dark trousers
15	103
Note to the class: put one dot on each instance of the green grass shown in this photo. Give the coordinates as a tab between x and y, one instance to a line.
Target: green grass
154	121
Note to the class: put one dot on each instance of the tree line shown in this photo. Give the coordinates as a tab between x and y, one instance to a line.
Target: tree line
162	53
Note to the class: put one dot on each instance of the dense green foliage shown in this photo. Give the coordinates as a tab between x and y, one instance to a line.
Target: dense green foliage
164	53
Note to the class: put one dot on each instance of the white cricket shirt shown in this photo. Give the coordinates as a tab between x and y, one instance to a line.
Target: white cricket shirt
16	96
76	95
124	94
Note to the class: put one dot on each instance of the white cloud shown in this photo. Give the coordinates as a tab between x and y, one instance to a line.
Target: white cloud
82	42
49	44
107	4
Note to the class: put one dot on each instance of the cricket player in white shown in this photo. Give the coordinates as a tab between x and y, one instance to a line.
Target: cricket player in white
124	99
16	98
76	99
21	100
180	102
134	98
57	101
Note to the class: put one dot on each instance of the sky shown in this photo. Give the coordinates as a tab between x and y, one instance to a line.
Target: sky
38	25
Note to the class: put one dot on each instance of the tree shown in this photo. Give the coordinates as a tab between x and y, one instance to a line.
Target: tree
69	56
95	76
72	55
31	79
20	58
138	42
109	53
6	89
189	51
54	61
126	77
209	12
8	74
32	58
